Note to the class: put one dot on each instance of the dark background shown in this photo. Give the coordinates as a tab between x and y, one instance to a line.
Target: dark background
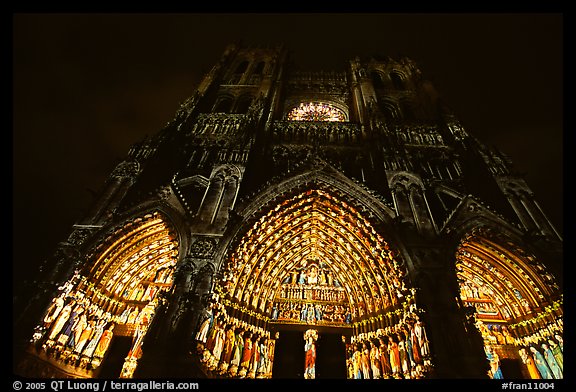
87	86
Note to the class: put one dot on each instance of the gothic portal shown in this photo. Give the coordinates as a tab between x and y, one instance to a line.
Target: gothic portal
306	225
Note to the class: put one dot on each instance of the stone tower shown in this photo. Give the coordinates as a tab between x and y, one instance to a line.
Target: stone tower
350	210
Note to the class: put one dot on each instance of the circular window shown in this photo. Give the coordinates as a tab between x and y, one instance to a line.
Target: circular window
316	111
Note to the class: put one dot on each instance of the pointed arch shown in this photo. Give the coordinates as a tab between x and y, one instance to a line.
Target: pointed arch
131	254
398	79
351	279
324	177
495	263
314	225
115	293
390	108
516	302
377	79
241	67
324	180
259	68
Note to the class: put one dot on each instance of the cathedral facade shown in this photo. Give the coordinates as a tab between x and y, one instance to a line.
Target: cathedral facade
290	224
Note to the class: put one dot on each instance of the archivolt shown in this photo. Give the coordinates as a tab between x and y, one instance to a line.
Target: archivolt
314	225
514	281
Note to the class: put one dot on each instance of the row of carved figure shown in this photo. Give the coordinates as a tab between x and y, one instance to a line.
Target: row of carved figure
229	347
401	351
546	361
78	331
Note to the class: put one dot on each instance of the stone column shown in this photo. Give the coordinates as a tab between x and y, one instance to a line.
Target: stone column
211	199
227	200
535	212
166	346
180	298
419	206
455	343
520	210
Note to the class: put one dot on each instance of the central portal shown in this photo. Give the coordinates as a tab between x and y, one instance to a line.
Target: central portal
311	274
291	355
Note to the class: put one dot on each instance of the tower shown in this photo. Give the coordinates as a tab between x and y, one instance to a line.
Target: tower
349	208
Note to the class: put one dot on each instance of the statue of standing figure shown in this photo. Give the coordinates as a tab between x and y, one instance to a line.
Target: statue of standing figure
310	337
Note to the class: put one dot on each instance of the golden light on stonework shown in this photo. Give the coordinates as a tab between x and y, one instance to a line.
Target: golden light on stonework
506	289
498	282
133	258
116	294
316	111
314	259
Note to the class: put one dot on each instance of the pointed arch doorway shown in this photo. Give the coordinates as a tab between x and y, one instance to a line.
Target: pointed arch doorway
311	262
96	324
516	305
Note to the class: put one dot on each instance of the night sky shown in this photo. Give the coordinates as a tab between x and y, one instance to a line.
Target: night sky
87	86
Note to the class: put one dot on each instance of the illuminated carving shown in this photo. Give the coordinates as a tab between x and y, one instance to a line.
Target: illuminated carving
117	295
230	347
503	285
310	337
398	351
316	111
499	283
311	295
311	260
314	227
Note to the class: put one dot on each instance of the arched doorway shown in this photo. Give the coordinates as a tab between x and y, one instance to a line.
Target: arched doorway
313	264
108	304
516	303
